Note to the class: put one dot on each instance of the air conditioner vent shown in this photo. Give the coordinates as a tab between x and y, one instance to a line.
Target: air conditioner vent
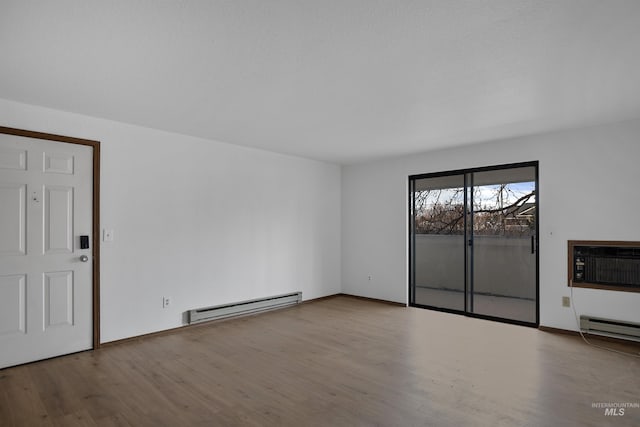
605	264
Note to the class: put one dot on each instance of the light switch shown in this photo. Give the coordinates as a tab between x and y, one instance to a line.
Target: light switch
107	235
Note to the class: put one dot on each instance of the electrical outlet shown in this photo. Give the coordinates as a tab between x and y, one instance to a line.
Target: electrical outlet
566	302
166	302
369	278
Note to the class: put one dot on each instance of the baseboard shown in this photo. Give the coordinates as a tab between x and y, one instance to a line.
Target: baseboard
383	301
558	330
326	297
152	334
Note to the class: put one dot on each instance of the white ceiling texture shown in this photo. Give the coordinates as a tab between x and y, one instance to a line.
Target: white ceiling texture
337	80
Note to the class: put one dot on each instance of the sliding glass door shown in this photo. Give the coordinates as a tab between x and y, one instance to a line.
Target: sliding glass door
473	242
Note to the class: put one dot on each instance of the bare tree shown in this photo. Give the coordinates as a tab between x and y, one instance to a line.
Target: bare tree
506	212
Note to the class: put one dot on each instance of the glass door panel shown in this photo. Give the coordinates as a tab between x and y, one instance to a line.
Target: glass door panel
438	242
503	247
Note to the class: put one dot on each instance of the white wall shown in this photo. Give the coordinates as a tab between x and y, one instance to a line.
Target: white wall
588	190
199	221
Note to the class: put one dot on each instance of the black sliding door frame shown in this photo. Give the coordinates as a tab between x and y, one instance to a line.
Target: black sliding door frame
468	241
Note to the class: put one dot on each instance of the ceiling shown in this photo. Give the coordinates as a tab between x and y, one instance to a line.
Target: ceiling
337	80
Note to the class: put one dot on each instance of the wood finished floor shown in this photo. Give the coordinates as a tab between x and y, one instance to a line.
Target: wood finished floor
334	362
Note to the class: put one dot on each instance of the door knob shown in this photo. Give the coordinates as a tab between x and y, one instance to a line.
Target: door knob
84	258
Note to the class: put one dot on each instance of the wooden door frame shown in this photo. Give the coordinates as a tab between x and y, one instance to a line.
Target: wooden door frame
95	208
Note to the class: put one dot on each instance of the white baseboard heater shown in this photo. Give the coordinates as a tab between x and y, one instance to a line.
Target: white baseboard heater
244	307
610	328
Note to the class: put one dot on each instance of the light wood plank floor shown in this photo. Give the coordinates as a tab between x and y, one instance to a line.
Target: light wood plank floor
334	362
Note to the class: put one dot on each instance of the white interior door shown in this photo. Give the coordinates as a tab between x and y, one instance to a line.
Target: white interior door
45	277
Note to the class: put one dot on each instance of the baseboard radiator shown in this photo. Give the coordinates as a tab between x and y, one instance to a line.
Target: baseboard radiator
244	308
610	328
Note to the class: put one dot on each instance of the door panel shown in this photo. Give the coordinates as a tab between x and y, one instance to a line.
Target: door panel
438	242
58	219
58	297
58	163
45	290
12	304
504	224
13	225
12	158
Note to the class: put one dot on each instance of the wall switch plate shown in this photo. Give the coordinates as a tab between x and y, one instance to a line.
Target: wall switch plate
107	235
566	302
